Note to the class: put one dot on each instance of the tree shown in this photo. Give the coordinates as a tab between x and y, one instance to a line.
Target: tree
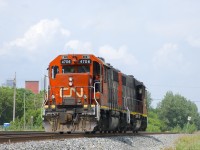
6	104
149	100
154	123
33	104
175	109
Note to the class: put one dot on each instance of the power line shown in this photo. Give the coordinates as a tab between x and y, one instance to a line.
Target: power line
159	99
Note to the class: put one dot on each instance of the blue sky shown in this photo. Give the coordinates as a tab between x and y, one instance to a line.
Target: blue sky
156	41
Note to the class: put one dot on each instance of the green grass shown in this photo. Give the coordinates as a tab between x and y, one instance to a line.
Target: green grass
189	142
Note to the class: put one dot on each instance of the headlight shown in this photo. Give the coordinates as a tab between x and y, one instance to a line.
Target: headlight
53	96
85	106
46	106
53	106
70	83
70	79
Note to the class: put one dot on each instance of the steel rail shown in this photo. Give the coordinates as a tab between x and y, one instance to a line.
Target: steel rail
11	137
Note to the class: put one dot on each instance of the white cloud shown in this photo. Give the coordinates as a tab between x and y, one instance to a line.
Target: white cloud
168	56
64	32
121	54
76	46
41	32
110	54
194	42
37	35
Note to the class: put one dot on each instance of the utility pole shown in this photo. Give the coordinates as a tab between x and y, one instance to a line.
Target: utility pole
14	97
44	88
24	112
189	118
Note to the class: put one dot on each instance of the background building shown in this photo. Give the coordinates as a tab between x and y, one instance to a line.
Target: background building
33	86
8	83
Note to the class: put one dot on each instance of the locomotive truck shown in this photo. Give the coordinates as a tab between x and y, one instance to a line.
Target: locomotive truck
87	94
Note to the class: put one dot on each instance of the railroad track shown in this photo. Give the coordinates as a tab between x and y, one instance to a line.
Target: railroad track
28	136
10	137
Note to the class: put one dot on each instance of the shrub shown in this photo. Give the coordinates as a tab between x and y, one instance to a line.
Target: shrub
189	128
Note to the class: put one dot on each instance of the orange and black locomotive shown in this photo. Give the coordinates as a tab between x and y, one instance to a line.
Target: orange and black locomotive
87	94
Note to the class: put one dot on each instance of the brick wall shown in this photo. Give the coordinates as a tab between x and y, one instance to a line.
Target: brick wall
33	86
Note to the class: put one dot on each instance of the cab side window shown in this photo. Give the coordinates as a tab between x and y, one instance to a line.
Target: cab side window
54	71
96	68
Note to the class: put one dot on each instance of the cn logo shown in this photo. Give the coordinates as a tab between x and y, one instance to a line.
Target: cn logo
70	92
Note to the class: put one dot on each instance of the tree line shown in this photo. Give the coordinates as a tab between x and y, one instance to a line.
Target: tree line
33	105
171	114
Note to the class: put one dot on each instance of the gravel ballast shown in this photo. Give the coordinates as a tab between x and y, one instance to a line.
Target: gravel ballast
149	142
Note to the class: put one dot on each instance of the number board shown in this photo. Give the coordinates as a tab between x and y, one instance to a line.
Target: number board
66	61
84	61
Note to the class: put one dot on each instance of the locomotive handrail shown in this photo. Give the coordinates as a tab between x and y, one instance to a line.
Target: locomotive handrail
128	119
98	106
128	116
43	104
139	106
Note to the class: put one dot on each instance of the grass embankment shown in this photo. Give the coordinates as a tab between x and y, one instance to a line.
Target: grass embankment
188	142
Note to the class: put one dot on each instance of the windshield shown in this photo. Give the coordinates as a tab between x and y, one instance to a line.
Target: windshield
76	69
83	69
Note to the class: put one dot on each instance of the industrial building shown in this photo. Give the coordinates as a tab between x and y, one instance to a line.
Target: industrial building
33	86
